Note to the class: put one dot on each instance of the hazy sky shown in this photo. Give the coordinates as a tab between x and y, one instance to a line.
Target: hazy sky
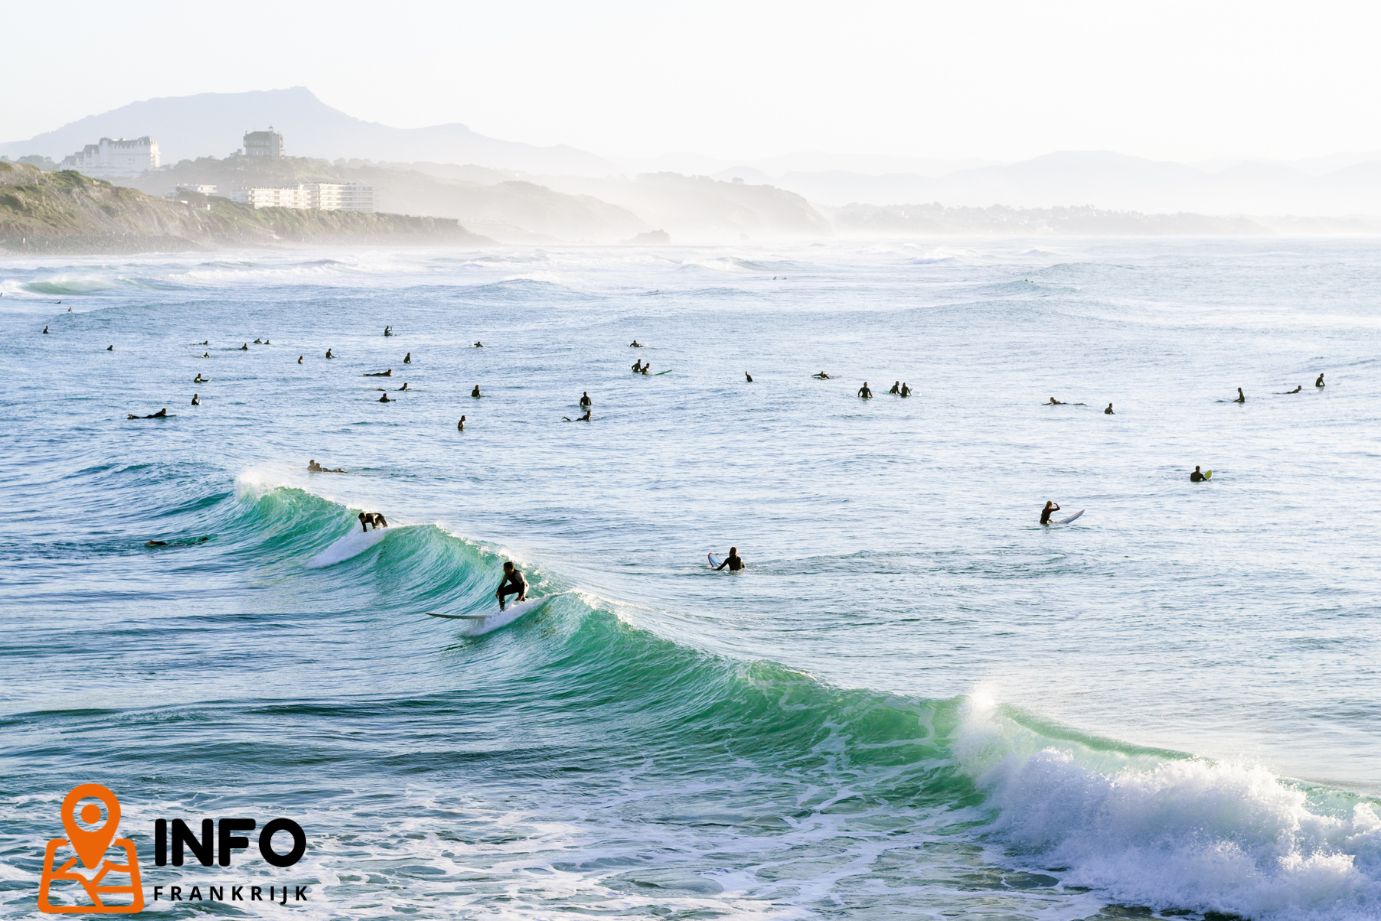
997	79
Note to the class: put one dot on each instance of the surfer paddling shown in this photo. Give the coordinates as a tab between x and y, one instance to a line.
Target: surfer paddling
1050	508
512	583
314	467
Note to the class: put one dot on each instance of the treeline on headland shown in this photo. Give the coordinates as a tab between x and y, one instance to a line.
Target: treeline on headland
65	212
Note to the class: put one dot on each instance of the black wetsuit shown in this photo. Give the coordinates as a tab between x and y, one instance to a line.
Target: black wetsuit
512	583
735	563
1046	513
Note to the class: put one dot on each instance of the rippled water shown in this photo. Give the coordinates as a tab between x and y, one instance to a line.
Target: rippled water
915	702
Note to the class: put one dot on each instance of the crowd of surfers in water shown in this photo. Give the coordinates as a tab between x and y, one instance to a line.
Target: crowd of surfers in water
513	582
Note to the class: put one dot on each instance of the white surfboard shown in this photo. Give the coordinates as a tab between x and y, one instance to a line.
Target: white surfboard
352	544
480	624
1071	517
714	560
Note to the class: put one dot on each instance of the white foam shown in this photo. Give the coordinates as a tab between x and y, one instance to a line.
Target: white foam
1176	833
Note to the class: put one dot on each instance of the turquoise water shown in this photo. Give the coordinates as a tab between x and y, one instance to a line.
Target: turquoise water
915	703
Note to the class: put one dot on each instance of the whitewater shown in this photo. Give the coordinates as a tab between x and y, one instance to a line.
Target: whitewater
915	702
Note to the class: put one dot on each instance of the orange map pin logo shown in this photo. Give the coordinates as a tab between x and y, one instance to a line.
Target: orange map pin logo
90	871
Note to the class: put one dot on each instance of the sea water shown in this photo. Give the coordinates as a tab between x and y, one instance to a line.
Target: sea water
915	702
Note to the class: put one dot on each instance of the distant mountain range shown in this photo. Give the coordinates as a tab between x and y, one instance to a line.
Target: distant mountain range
525	193
213	124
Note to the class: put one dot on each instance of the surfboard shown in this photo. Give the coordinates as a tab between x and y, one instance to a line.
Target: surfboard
714	561
352	544
1208	474
480	624
1071	517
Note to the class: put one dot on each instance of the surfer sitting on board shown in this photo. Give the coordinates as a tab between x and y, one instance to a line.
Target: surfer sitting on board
1050	507
512	583
585	399
1197	476
733	561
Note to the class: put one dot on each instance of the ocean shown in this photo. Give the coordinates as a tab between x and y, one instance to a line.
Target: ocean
914	703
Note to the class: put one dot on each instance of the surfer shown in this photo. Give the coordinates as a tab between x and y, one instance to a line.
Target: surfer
205	354
1318	383
1108	411
896	389
647	366
404	387
1298	388
476	392
748	377
635	344
512	583
388	330
371	518
385	399
258	341
110	348
1241	397
1197	476
638	366
733	561
1050	507
314	467
245	347
585	400
407	359
584	418
905	389
460	426
1054	402
388	373
864	393
822	376
478	344
45	330
199	379
330	354
196	399
299	359
161	414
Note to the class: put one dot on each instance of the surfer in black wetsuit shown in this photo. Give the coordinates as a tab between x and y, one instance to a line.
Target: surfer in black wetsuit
512	583
245	347
638	366
476	392
1054	402
647	367
299	359
45	330
905	389
407	359
364	520
1050	507
161	414
822	376
388	373
1318	383
733	561
385	399
896	389
584	418
1197	476
199	379
585	400
864	393
388	330
1241	397
196	399
329	354
748	376
460	426
635	344
1108	411
1286	393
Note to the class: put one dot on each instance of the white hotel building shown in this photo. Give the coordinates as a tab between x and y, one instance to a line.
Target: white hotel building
115	158
311	196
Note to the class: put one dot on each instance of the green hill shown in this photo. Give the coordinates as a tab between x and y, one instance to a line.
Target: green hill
67	212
